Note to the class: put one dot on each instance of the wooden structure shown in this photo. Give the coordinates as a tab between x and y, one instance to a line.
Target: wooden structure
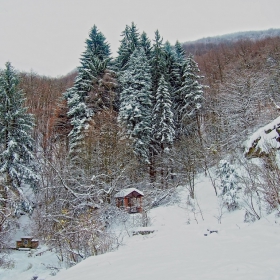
130	199
27	242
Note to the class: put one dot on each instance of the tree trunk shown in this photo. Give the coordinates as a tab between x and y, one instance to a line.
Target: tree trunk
152	169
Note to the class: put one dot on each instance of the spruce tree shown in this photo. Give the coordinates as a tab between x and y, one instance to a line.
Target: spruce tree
188	99
129	42
229	185
79	115
171	66
157	62
180	56
162	122
145	43
135	103
16	142
94	62
180	52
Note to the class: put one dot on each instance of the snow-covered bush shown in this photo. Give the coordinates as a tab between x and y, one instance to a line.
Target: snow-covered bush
260	179
6	262
229	185
249	217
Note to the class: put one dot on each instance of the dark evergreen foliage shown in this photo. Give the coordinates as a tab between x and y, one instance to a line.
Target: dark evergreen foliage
172	66
135	103
188	99
16	142
145	43
157	62
129	43
94	61
162	121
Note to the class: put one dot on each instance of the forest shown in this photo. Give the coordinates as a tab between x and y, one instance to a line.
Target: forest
152	118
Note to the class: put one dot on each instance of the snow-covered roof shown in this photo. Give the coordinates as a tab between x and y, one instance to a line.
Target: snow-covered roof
127	191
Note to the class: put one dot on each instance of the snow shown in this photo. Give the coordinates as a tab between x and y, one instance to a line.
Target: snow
180	247
28	263
267	136
180	250
127	191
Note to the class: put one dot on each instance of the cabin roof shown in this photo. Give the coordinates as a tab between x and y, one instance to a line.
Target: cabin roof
126	192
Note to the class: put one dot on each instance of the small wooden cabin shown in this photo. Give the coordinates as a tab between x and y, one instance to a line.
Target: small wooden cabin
27	242
130	199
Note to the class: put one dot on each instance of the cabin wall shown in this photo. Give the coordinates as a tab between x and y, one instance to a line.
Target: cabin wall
125	200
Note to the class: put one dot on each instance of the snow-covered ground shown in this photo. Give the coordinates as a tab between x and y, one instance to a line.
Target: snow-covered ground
264	138
28	264
178	249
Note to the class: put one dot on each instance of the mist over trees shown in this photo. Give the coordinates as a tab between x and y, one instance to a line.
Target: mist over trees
153	118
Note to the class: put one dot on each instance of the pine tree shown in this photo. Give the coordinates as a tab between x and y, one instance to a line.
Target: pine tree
16	143
188	99
163	123
135	103
94	61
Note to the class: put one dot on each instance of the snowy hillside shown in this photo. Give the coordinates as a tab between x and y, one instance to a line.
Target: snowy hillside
263	139
190	239
179	248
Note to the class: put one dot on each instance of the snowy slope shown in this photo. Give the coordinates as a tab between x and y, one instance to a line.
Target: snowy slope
28	264
265	138
178	249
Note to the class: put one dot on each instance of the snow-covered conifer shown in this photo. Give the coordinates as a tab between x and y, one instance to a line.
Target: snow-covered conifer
16	142
229	184
171	66
157	63
135	103
188	99
180	63
129	43
145	43
94	61
180	52
162	121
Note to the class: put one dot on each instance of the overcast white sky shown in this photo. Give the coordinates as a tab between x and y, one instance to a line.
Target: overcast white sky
47	36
